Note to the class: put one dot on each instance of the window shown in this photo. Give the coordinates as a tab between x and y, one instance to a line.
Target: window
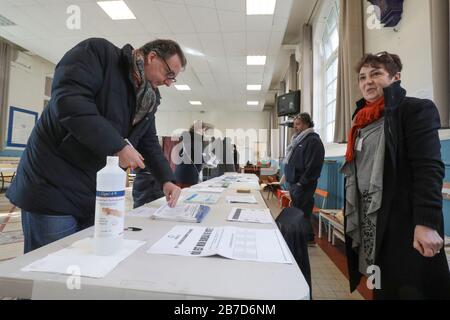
327	40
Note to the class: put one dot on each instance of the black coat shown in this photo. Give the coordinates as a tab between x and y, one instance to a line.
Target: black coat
305	164
90	113
412	195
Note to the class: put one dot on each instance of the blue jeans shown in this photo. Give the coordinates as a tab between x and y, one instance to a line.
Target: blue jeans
41	229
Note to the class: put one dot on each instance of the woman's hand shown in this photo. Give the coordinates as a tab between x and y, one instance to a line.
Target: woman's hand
427	241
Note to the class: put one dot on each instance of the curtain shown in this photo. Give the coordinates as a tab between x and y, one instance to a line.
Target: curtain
351	50
6	52
307	70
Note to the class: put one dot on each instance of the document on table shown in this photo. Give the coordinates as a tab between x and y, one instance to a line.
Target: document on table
262	245
207	198
142	212
250	215
241	199
182	212
206	189
80	258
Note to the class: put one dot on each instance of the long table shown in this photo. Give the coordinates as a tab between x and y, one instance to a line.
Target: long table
150	276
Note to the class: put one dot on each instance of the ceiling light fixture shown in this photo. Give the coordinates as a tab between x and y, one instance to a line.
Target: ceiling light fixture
256	60
116	10
255	7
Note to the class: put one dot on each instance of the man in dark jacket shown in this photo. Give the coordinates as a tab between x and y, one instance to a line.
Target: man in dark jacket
101	95
304	161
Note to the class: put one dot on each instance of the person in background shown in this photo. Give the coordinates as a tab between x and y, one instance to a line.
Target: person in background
303	165
393	184
101	95
187	173
145	188
236	159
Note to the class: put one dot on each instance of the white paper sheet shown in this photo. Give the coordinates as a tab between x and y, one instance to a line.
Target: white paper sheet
204	198
206	189
80	258
241	199
142	212
181	212
262	245
250	215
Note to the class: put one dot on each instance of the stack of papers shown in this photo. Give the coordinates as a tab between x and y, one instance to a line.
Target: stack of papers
241	199
206	198
201	188
80	259
182	213
262	245
142	212
250	215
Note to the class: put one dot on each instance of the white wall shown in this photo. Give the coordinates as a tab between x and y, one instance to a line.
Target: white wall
250	123
412	42
167	121
26	87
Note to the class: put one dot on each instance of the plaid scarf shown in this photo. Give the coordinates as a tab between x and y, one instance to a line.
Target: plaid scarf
145	94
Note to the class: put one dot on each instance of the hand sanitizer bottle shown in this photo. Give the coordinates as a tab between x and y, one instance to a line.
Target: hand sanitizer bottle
109	208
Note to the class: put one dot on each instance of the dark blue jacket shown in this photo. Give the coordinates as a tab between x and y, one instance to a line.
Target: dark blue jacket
305	164
89	115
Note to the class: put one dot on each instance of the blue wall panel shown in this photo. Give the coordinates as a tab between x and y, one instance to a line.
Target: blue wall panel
336	198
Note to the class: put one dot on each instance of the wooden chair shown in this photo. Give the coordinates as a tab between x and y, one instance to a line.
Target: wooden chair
319	192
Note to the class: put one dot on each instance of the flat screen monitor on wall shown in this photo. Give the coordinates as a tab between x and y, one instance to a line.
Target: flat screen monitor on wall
288	104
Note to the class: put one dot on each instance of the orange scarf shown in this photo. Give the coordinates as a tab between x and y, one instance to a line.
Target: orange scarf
371	112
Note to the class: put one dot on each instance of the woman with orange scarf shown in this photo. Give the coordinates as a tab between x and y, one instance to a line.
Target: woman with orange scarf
393	181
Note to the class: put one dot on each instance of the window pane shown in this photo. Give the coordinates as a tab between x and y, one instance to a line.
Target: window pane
331	112
335	39
331	92
330	132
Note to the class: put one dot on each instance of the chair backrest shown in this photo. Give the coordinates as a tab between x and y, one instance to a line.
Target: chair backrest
324	194
284	186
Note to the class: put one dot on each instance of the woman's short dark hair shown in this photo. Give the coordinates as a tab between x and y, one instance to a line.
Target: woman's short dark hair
165	48
389	61
306	118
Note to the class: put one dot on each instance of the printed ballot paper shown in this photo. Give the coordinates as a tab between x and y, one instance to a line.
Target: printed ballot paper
182	212
250	215
142	212
241	199
203	198
262	245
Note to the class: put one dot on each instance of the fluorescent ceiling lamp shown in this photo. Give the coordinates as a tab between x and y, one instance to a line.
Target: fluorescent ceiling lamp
260	7
195	103
193	52
252	103
182	87
256	60
116	10
253	87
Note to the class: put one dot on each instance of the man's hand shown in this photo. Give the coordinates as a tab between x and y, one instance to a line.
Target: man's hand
172	193
427	241
130	158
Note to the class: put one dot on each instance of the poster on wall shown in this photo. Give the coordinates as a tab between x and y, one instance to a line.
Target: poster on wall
21	123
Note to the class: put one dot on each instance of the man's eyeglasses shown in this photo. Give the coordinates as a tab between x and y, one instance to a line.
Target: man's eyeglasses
170	75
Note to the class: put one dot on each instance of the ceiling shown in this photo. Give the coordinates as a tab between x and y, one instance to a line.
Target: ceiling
220	29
